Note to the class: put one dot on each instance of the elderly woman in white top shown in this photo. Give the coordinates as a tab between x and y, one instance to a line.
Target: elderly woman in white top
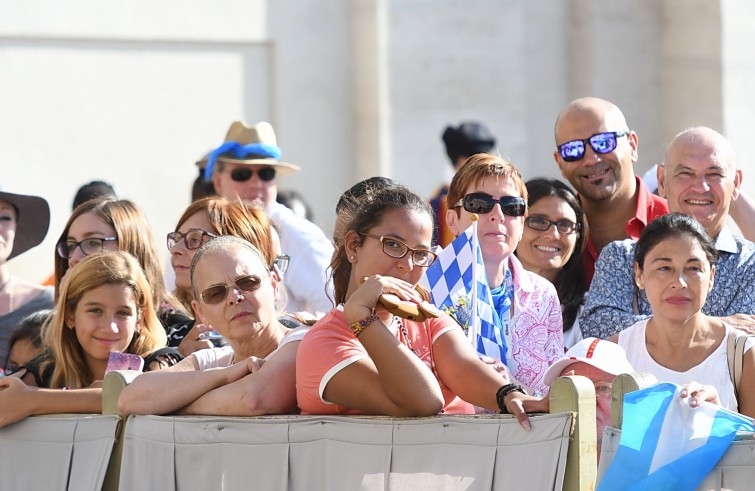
235	293
675	263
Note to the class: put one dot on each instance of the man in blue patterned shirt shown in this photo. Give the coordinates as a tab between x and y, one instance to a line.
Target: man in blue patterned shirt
699	178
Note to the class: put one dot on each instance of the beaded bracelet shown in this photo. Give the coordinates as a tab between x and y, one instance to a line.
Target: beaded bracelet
359	325
505	390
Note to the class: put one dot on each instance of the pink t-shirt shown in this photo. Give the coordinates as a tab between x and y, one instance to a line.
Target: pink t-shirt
330	346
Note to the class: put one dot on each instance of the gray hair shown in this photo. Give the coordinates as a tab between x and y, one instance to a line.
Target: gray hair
222	243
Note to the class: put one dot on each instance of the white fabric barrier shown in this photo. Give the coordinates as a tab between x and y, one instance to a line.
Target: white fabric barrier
331	452
57	452
735	470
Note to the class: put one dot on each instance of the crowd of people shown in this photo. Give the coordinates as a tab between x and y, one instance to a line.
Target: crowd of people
258	312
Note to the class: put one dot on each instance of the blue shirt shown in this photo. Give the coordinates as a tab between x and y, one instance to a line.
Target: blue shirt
609	306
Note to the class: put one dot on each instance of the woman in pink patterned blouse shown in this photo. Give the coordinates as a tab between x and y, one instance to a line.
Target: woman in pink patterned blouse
527	304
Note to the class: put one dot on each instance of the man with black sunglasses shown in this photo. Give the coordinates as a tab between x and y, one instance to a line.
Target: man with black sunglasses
245	166
596	152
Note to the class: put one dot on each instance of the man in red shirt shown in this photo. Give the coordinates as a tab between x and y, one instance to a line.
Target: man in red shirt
596	152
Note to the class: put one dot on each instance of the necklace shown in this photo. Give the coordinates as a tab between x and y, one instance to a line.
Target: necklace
405	333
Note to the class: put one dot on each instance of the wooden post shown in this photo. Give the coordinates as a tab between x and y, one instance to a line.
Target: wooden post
576	394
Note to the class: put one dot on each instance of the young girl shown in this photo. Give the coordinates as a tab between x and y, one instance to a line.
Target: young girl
104	306
108	224
360	358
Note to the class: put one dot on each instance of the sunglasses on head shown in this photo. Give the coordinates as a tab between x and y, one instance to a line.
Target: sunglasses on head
241	174
217	293
481	203
601	143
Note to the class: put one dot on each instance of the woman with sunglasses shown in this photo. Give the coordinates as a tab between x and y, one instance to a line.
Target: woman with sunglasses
552	244
527	304
360	358
202	220
108	224
235	292
104	306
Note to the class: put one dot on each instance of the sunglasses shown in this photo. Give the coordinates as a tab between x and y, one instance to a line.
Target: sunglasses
481	203
542	224
601	143
281	262
242	174
92	245
217	293
398	249
193	239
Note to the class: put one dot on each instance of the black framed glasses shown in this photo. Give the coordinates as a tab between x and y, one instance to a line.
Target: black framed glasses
601	143
242	174
481	203
89	246
193	239
398	249
281	262
542	224
217	293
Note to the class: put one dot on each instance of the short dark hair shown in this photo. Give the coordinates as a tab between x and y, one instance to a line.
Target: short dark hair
92	190
467	139
673	225
351	196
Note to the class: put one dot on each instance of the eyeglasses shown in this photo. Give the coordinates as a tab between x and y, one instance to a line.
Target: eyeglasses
88	246
542	224
603	390
217	293
281	262
193	239
398	249
601	143
481	203
242	174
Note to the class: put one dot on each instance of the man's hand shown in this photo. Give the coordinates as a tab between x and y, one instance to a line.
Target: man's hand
743	322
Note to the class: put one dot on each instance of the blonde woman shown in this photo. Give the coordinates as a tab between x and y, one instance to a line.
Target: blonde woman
104	306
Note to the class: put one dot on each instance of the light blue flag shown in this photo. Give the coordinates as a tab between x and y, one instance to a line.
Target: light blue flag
459	286
666	444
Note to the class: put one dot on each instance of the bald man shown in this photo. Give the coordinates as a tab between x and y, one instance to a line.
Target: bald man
596	152
700	178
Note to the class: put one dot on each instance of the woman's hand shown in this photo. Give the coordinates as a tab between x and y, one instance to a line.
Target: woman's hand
698	393
192	342
364	299
520	404
15	400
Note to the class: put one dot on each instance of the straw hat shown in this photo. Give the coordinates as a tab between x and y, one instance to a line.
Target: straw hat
260	138
32	223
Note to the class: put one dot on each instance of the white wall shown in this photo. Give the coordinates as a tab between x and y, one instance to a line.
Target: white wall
133	91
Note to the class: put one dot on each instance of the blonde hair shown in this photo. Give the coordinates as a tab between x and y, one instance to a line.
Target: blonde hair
104	268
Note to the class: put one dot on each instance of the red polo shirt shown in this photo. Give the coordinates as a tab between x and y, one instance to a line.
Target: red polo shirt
649	207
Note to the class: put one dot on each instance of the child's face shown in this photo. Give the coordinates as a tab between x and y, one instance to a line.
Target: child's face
21	353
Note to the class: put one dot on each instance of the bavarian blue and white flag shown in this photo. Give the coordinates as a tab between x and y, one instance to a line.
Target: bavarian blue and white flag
459	287
666	444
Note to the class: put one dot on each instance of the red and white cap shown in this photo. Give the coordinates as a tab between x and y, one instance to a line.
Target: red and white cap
601	354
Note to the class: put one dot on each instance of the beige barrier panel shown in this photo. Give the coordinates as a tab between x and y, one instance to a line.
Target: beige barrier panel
57	452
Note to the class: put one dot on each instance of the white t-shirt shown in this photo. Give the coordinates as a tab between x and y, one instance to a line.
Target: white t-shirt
223	357
714	370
